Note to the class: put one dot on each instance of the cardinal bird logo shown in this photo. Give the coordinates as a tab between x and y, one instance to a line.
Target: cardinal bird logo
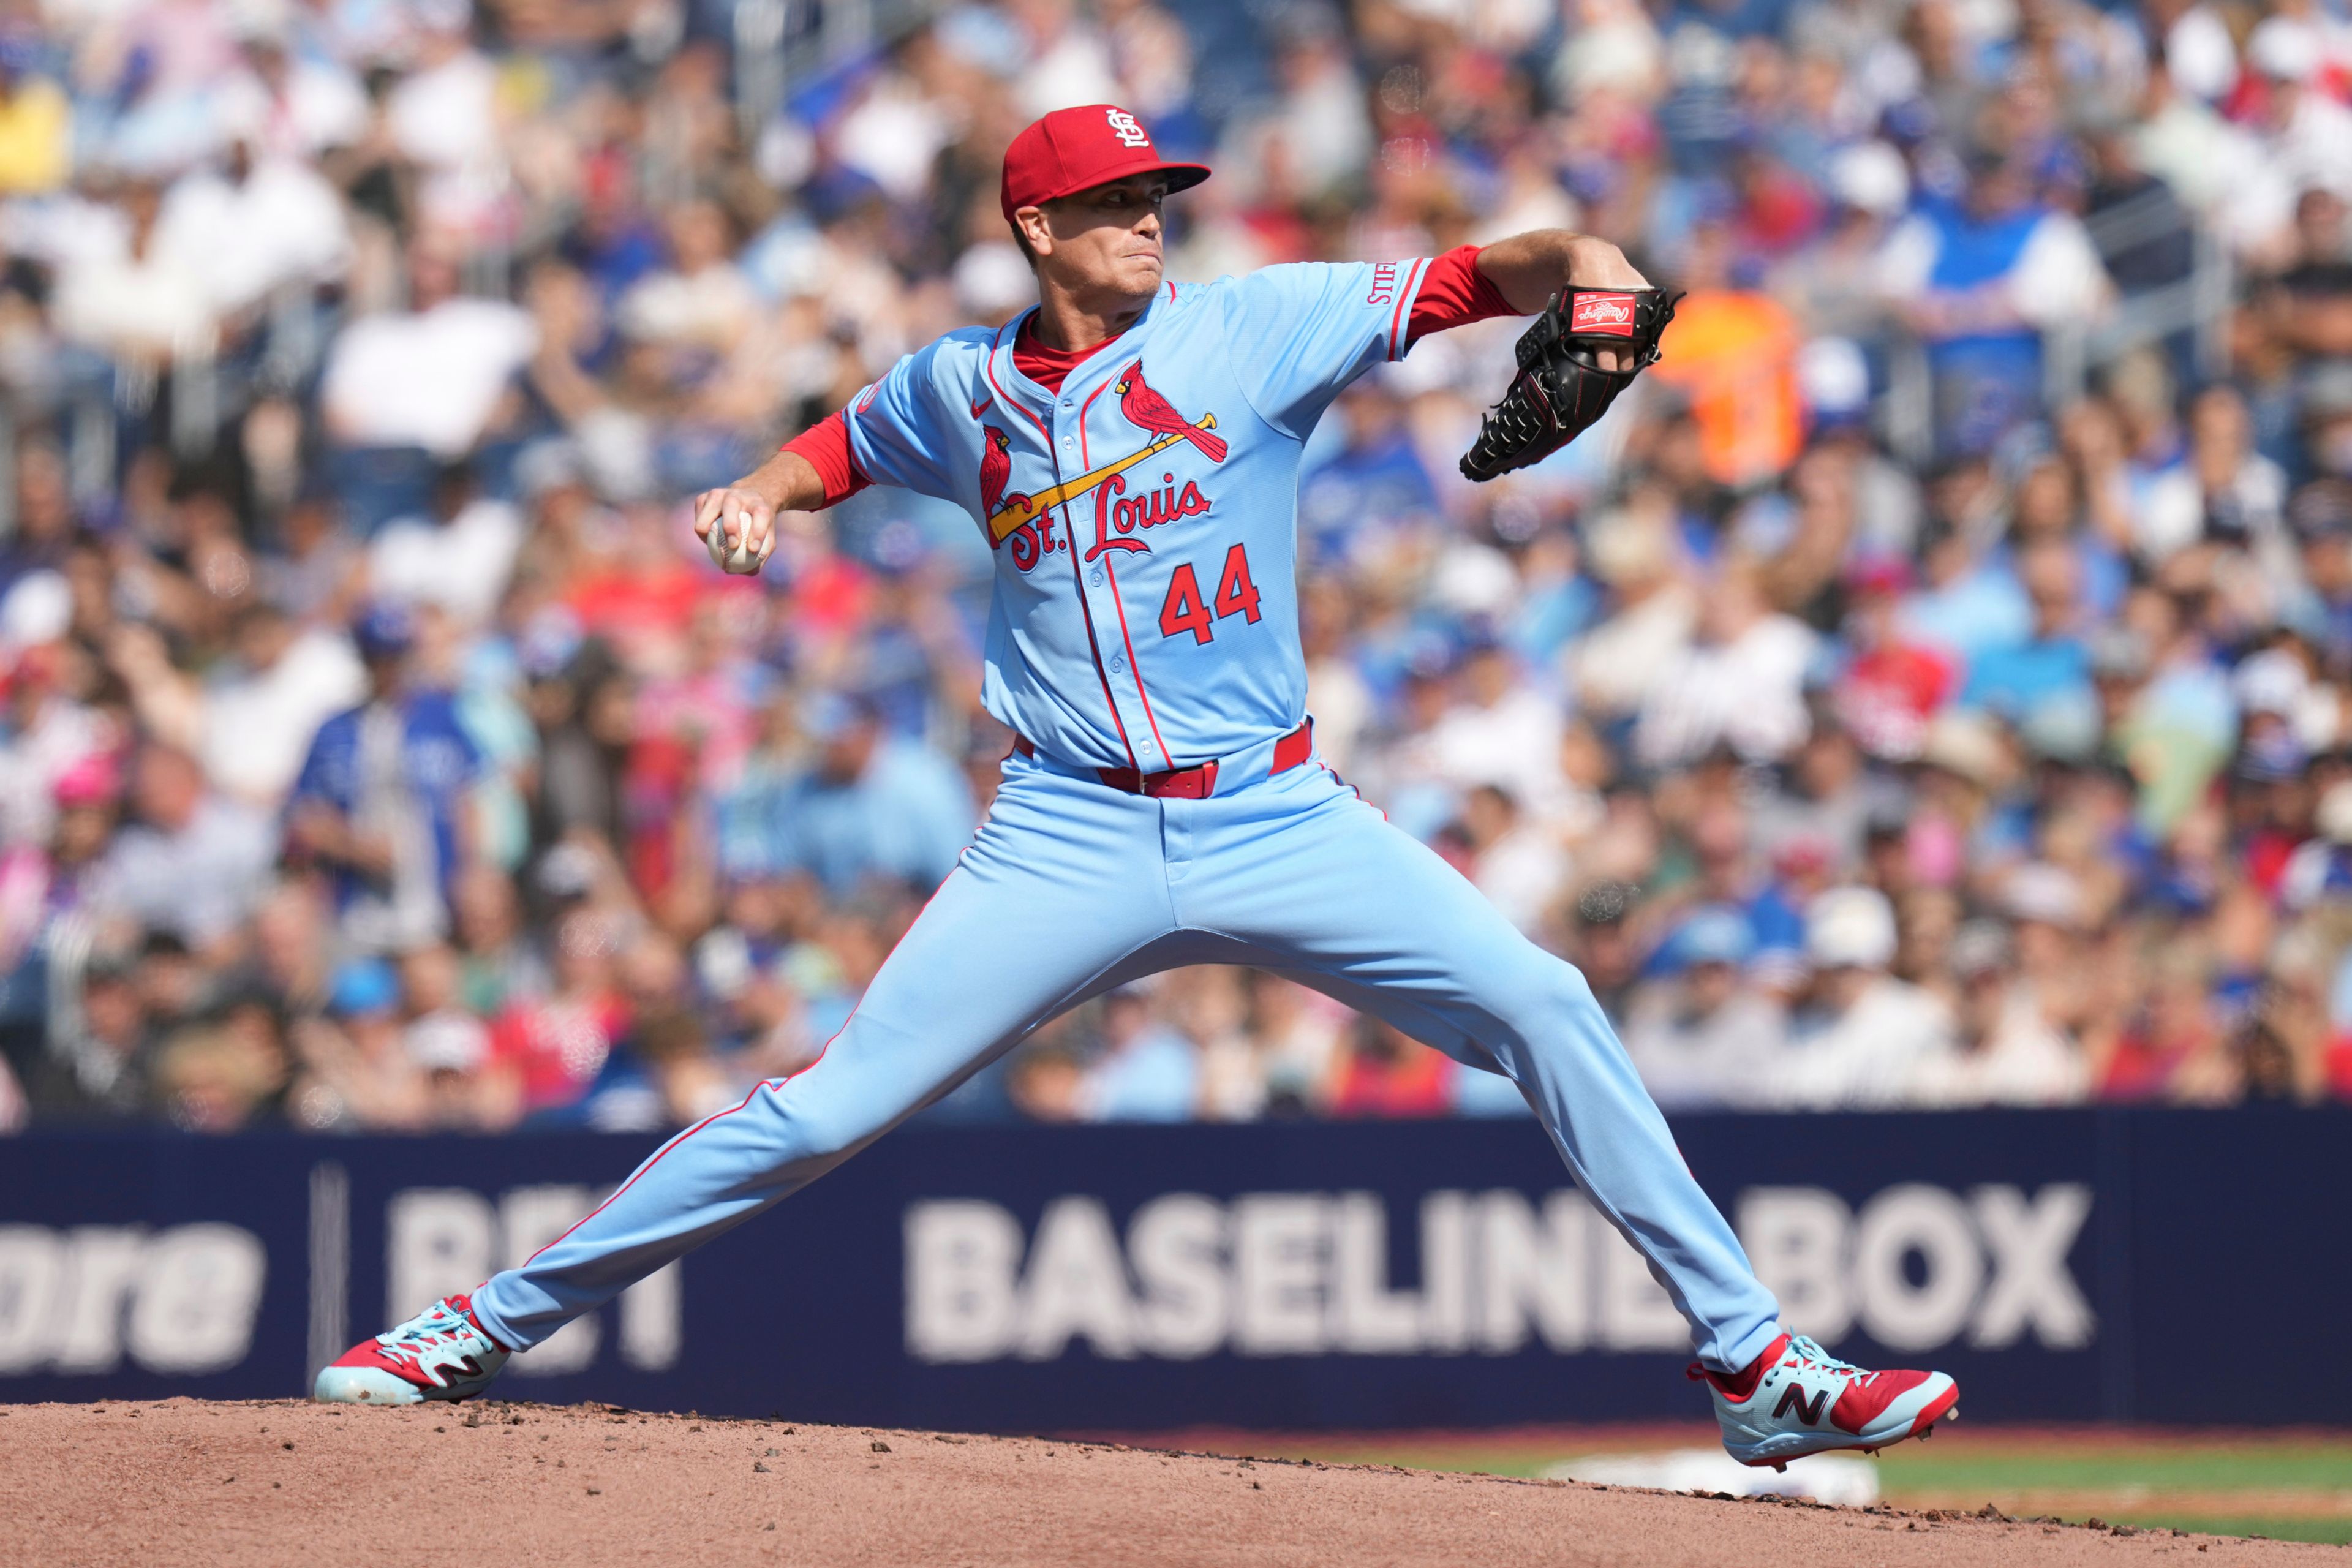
1147	410
1010	516
995	468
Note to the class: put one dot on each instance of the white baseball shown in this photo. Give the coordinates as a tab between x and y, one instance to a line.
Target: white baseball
738	558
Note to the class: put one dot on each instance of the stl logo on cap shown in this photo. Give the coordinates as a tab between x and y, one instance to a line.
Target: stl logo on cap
1125	126
1073	149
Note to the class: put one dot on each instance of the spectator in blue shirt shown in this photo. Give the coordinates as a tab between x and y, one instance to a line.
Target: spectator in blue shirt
2053	667
382	799
1979	279
872	804
194	863
1146	1071
1967	605
1372	485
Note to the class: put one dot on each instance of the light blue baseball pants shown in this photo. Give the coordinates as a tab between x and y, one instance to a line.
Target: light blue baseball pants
1071	888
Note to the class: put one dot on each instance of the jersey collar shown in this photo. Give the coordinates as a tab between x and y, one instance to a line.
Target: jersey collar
1010	379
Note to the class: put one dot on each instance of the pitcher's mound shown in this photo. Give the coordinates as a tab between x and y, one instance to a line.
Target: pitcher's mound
186	1481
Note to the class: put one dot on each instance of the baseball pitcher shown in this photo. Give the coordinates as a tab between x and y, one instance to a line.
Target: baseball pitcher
1130	448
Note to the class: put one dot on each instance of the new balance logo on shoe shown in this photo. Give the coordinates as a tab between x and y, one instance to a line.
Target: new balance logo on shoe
1809	1413
1824	1404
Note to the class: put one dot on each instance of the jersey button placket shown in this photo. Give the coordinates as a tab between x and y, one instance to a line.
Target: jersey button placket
1103	602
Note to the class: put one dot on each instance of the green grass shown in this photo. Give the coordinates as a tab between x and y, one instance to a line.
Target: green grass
1467	1462
1983	1459
2288	1487
2144	1479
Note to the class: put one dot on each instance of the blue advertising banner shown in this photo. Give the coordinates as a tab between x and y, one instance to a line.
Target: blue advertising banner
1295	1275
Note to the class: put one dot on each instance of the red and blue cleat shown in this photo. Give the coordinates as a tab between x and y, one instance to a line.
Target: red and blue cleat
1797	1399
440	1353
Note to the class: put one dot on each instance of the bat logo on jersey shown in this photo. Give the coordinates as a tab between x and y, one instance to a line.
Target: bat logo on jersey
1147	410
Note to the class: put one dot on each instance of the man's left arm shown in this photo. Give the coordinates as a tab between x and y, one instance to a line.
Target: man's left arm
1522	272
1529	267
1301	331
1598	324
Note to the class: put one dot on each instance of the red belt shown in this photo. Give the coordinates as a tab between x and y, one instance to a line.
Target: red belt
1197	783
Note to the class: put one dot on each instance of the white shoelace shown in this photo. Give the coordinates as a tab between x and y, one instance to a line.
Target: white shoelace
412	1341
1810	1352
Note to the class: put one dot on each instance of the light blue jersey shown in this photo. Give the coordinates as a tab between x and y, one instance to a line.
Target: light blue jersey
1146	620
1144	518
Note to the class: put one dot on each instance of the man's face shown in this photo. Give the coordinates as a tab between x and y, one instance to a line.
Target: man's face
82	833
845	756
2049	571
432	275
2327	561
383	672
2280	103
1488	676
1840	986
1123	1018
1107	239
268	60
170	788
112	1009
1983	993
2319	220
262	639
1998	191
1711	986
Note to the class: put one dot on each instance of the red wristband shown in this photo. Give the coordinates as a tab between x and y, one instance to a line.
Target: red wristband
1455	293
825	446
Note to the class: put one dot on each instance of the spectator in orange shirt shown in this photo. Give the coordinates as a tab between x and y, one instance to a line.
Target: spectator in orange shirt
1732	350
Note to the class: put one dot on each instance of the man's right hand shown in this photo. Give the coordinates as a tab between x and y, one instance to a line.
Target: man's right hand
737	525
746	511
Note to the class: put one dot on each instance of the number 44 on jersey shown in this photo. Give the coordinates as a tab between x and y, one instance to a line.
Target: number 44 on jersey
1185	611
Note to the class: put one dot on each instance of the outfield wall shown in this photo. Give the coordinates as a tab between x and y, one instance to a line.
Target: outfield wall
2129	1265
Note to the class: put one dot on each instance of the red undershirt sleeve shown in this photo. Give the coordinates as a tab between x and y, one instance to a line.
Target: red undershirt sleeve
1455	293
825	446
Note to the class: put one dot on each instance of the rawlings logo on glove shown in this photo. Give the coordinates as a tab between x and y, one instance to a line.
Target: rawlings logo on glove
1561	391
1611	313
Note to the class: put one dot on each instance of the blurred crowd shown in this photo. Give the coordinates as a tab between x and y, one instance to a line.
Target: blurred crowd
1932	686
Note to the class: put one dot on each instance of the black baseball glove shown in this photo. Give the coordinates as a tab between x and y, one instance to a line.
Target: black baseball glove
1561	389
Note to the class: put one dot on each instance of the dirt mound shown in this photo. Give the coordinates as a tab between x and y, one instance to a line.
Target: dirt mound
260	1482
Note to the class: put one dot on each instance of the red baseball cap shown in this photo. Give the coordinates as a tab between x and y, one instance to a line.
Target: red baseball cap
1073	149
